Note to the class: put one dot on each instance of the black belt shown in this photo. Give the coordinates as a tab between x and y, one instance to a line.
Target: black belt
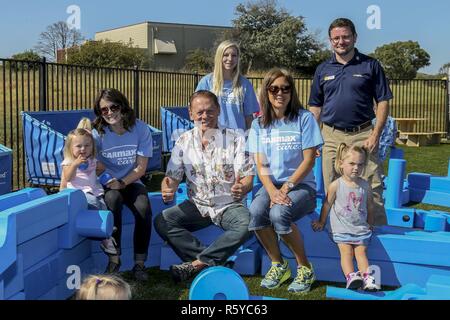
354	129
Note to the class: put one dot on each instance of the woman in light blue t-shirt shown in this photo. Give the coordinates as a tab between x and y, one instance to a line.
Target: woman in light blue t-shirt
236	94
124	145
284	141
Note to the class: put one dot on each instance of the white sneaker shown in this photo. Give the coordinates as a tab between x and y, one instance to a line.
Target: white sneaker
109	246
354	280
370	284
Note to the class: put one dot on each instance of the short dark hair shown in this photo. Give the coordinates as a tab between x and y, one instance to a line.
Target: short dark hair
116	97
205	94
341	23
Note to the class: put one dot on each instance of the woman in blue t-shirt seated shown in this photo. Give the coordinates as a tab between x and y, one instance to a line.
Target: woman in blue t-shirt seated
284	140
124	145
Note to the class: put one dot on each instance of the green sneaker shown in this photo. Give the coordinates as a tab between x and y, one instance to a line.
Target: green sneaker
303	281
276	275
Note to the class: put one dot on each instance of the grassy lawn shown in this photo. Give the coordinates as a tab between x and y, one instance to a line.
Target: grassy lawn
432	159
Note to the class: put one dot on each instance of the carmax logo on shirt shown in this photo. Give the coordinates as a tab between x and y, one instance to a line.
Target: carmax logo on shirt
278	139
118	154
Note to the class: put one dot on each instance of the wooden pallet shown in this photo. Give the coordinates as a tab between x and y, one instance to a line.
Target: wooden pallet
419	139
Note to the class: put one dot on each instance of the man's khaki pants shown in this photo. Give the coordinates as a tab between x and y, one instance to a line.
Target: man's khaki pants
332	139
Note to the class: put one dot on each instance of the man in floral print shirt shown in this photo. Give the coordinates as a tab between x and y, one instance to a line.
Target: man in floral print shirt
218	176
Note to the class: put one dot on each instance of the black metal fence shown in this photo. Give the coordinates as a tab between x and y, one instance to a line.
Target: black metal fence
42	86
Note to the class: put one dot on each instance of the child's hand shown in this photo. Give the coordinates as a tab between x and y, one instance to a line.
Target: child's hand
317	225
80	159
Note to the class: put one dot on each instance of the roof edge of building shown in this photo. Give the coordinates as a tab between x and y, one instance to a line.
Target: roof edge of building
165	23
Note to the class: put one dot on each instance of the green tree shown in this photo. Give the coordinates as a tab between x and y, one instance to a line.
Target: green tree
109	54
269	36
28	56
199	60
57	36
444	69
402	59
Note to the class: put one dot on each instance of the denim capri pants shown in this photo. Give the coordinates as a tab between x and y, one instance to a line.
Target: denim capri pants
281	216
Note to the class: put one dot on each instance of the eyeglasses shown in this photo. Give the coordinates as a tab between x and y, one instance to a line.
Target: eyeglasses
345	38
113	108
276	89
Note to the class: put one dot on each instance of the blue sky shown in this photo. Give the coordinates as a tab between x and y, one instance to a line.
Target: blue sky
424	21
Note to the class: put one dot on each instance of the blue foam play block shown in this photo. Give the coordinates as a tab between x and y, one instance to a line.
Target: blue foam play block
13	278
127	216
68	235
316	243
18	296
400	217
426	181
398	294
248	260
419	180
67	281
8	241
158	206
154	255
12	199
435	222
52	294
439	286
417	250
73	256
38	248
168	257
94	223
441	184
39	216
405	196
430	197
42	277
100	261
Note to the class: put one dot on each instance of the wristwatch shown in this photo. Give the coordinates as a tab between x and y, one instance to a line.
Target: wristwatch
290	185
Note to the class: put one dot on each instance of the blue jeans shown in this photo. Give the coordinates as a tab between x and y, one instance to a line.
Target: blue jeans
175	225
95	203
280	216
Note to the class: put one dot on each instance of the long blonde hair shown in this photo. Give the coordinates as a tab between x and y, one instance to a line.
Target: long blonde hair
218	70
343	151
84	128
104	287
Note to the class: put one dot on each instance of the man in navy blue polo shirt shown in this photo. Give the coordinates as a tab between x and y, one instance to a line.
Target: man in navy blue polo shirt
343	94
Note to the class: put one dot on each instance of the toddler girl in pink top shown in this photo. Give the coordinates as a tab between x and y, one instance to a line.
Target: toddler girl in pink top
79	171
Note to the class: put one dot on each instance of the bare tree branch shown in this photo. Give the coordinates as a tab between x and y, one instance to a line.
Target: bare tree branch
57	36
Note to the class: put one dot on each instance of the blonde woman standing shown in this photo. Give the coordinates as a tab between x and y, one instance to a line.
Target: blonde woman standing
236	95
